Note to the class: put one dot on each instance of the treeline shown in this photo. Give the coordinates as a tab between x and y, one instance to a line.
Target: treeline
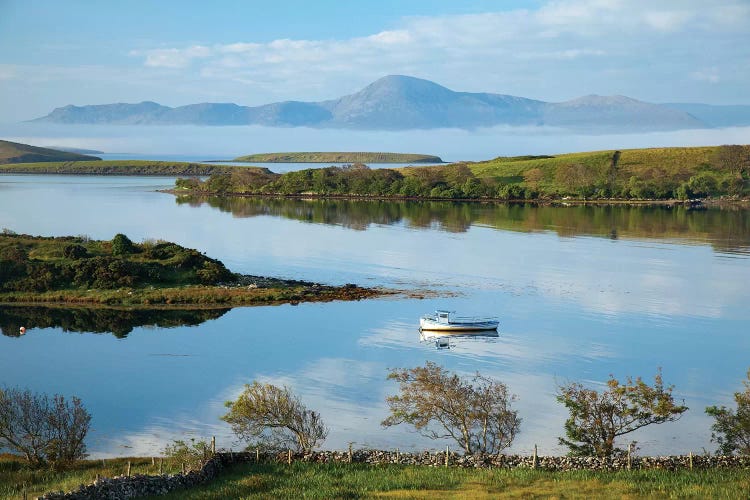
661	173
39	264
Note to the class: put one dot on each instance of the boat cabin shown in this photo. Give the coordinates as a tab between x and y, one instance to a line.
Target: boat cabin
443	317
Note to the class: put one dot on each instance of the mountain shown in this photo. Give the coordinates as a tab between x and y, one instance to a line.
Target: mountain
15	152
733	115
398	102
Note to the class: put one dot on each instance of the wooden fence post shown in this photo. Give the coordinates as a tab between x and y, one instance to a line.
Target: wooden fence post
213	444
183	467
128	474
535	459
257	455
350	452
161	465
691	460
289	456
630	462
398	456
447	450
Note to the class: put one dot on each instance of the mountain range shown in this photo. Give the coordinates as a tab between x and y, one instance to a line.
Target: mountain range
398	102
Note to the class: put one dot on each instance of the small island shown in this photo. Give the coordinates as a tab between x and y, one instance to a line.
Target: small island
148	275
339	157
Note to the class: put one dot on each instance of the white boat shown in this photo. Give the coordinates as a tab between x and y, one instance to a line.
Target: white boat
445	321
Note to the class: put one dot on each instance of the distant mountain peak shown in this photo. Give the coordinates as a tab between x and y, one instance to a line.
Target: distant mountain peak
398	102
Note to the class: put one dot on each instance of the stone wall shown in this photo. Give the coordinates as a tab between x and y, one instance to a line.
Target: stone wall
124	487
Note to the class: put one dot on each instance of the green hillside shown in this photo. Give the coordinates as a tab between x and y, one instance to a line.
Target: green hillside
341	157
630	174
14	152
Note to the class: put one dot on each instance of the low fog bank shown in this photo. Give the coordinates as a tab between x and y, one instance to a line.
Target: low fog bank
449	144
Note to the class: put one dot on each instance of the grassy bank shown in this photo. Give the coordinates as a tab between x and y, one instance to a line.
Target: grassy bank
633	174
339	157
118	167
77	270
307	480
15	152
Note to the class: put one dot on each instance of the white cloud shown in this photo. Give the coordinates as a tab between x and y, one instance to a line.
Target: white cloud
581	40
710	75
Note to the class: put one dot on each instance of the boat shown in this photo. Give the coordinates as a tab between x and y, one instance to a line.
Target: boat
447	322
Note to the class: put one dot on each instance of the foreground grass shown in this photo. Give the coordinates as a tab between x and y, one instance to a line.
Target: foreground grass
306	480
15	476
301	480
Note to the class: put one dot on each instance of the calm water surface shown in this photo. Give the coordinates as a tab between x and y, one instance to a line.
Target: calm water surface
582	292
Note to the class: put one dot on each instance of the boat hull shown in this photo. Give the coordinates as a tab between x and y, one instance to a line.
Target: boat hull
428	324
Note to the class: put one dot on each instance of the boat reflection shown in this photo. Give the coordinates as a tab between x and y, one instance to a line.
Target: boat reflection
449	340
16	320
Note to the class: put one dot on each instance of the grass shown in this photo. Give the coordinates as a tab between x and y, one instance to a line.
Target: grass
14	475
339	157
304	480
335	480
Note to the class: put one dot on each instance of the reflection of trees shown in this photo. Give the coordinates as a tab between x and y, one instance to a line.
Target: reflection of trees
98	320
727	229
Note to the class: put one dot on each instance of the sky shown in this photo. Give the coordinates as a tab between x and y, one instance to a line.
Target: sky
80	52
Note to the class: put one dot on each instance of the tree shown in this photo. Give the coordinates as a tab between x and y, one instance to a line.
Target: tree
475	412
273	416
731	429
732	158
533	177
121	245
598	418
44	430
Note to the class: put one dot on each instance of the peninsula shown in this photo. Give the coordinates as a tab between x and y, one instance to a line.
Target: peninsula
340	157
149	275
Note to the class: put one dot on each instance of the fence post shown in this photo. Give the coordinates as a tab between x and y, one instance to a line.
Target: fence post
153	461
183	468
535	459
24	492
257	455
350	452
630	463
161	465
128	468
289	456
691	460
447	450
213	444
398	456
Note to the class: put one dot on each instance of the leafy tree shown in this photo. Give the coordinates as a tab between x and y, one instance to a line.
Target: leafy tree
598	418
576	178
731	429
121	245
533	177
732	158
44	430
273	416
475	412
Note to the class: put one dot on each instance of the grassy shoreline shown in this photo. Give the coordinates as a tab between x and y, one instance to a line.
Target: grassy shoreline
339	157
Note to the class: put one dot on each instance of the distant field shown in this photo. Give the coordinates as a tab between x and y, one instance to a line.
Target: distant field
118	167
340	157
14	152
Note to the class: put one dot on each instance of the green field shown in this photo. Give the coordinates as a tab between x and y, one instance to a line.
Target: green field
14	152
339	157
324	481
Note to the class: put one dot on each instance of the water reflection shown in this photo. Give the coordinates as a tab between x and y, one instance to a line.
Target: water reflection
727	229
119	322
445	340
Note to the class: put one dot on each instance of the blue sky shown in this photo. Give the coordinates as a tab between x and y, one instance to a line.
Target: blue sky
55	53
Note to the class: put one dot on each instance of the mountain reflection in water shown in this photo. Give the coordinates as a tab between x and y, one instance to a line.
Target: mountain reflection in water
727	229
119	322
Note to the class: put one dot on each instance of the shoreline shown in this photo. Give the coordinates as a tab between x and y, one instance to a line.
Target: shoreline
703	202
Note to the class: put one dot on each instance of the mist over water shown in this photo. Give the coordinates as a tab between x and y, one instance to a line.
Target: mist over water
220	143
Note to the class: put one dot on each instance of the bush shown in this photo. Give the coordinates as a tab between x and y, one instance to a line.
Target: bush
75	251
121	245
194	456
